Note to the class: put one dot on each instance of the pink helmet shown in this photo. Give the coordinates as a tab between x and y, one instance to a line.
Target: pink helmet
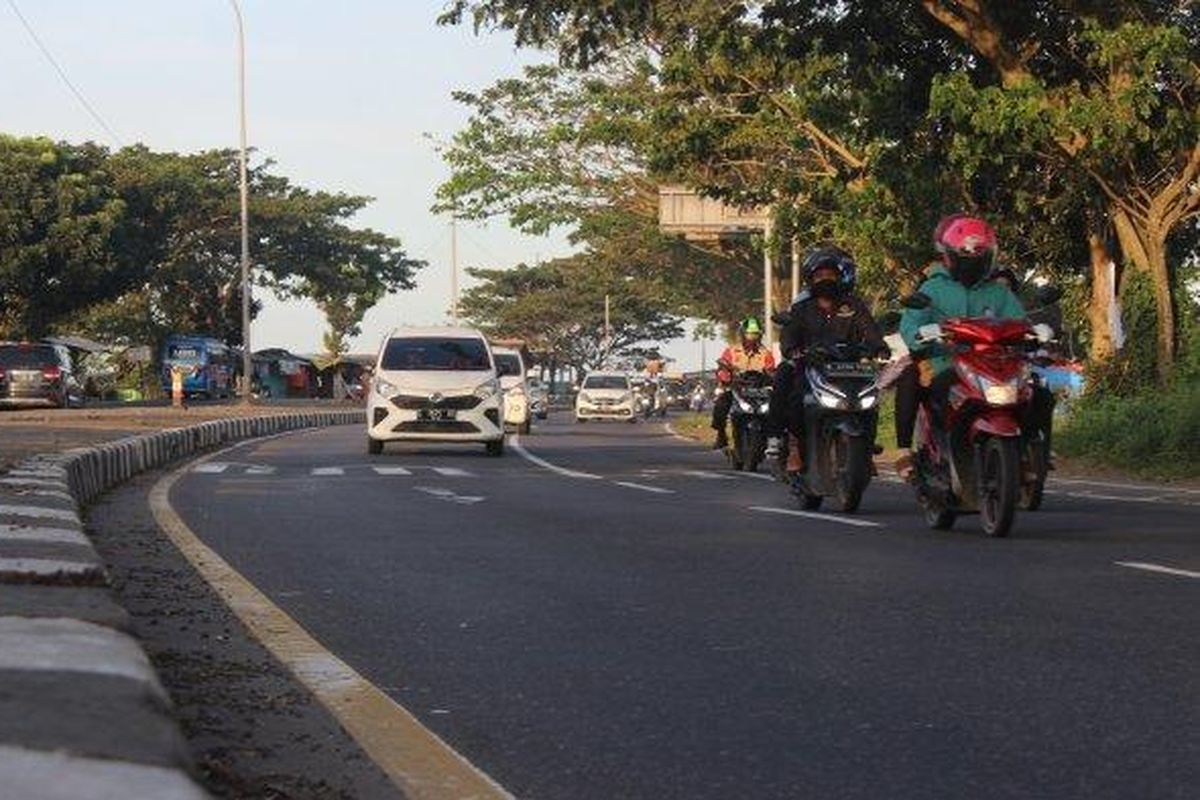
968	247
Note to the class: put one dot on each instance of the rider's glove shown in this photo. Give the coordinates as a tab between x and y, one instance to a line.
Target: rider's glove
1043	332
929	333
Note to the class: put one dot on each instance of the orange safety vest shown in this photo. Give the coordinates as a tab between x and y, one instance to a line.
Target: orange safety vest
762	360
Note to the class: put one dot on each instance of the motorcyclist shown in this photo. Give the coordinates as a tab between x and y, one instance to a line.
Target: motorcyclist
748	355
827	312
961	286
1041	410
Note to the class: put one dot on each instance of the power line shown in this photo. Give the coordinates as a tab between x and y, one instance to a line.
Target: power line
62	74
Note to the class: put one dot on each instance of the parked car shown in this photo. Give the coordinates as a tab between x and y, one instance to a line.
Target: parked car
518	410
435	384
605	395
38	374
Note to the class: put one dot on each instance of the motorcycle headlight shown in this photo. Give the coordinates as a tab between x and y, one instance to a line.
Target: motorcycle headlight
999	394
744	406
486	389
867	402
828	399
383	387
764	407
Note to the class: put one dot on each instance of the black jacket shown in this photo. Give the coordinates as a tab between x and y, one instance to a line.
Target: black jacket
848	321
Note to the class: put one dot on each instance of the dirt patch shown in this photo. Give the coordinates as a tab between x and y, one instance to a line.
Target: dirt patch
255	733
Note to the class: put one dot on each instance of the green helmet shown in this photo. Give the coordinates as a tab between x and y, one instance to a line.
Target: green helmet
750	328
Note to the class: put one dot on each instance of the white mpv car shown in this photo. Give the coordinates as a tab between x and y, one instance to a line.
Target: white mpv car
518	406
435	385
605	395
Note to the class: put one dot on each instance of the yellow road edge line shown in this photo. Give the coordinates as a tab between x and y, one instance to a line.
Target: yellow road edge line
415	758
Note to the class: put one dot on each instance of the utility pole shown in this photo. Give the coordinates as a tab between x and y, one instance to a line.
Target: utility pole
768	280
607	328
244	188
454	269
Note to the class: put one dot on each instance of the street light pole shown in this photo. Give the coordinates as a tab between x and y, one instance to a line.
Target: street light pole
244	188
454	269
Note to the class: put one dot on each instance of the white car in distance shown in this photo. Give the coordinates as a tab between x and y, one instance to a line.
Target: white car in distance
435	385
518	405
605	395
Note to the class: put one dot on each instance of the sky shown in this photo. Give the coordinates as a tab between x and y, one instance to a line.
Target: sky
349	95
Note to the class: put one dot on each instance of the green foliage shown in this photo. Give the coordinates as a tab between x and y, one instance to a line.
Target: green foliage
131	245
1152	433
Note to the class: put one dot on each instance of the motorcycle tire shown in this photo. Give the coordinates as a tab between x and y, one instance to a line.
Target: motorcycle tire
938	518
811	502
853	471
752	451
999	485
1036	461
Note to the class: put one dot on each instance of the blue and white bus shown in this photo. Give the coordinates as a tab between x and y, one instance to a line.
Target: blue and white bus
207	365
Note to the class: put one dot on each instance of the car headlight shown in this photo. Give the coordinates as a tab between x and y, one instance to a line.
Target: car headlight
385	388
584	397
486	389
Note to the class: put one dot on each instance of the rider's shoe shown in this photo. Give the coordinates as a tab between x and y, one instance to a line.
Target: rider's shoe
721	442
904	465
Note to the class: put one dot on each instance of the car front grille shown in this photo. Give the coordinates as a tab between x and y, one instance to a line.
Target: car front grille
435	426
412	402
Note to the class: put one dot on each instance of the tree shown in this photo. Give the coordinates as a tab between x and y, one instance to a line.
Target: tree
557	308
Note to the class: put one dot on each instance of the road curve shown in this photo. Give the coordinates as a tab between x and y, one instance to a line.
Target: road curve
610	613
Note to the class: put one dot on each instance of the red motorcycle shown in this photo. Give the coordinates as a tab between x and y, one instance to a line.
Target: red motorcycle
969	457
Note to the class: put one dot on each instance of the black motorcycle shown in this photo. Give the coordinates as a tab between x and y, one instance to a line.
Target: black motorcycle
748	416
841	413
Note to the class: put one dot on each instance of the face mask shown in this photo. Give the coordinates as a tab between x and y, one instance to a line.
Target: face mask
969	271
828	289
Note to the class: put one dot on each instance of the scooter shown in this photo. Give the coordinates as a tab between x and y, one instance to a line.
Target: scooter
748	415
841	414
969	457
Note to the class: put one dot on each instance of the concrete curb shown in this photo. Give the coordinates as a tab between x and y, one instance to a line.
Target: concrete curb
81	702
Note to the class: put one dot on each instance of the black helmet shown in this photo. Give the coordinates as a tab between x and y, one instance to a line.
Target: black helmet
835	258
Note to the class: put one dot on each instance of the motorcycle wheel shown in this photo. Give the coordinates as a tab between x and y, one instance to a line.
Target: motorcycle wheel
734	450
999	485
752	445
811	502
1036	460
938	518
852	470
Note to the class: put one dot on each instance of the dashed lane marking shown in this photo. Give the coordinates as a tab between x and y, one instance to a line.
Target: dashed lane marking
260	470
1147	567
449	496
418	761
327	471
391	471
644	488
792	512
451	472
544	464
708	476
210	469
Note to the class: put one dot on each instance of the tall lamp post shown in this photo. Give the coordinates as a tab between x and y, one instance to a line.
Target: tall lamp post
247	353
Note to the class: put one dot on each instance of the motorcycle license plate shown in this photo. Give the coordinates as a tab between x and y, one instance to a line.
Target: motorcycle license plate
849	369
435	414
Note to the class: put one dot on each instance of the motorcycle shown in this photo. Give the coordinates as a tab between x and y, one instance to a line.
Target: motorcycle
748	415
841	414
969	458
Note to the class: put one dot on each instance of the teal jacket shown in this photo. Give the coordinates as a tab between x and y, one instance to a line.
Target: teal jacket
951	299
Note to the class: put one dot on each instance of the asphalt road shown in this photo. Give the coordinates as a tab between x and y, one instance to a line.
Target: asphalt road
620	617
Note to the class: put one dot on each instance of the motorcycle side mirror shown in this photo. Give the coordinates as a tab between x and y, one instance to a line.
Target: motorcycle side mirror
1048	295
917	301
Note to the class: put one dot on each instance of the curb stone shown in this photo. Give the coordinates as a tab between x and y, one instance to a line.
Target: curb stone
84	714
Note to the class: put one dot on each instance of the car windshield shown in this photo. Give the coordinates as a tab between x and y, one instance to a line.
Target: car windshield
508	364
185	354
427	354
31	355
606	382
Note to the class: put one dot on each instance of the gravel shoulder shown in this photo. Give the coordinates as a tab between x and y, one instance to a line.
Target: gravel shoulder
255	733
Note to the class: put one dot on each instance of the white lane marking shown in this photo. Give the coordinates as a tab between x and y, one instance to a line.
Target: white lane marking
328	471
758	476
644	488
450	496
29	533
676	434
792	512
33	773
214	468
415	758
71	645
391	471
544	464
1184	573
451	472
40	513
1133	486
260	470
709	476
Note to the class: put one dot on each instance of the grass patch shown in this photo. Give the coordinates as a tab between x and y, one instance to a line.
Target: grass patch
693	425
1154	435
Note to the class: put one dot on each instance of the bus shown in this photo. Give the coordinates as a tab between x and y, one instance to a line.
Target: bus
207	365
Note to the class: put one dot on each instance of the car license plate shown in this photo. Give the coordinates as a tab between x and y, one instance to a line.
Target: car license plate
435	414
